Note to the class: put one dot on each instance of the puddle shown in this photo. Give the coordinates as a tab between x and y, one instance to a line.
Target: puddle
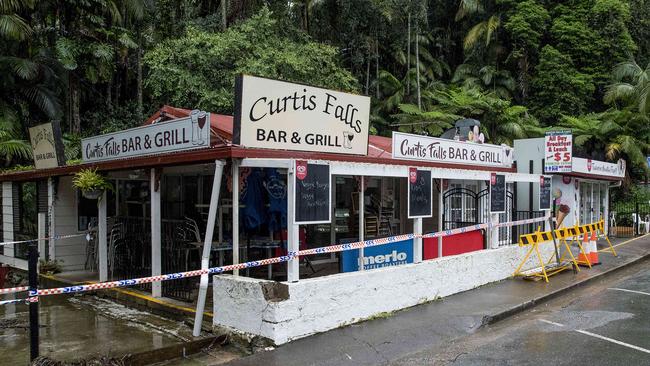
76	327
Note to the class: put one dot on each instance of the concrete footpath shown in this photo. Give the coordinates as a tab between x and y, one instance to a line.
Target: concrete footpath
386	339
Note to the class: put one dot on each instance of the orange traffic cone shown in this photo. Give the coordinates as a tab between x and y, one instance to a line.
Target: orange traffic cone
593	253
584	258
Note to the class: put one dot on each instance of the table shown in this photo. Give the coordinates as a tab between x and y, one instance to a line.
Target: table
254	243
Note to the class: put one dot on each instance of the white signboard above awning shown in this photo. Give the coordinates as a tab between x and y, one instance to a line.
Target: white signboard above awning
273	114
597	167
180	134
424	148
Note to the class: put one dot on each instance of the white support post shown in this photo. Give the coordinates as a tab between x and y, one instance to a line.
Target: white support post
235	214
8	217
493	236
417	241
606	210
156	251
102	238
293	237
207	246
440	213
51	252
362	226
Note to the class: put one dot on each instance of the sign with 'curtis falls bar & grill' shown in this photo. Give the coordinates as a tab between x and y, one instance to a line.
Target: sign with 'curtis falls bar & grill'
186	133
424	148
274	114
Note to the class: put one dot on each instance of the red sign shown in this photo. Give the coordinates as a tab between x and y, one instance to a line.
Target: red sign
413	175
493	178
589	164
541	180
301	169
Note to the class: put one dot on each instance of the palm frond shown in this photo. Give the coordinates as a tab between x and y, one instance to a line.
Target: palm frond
14	27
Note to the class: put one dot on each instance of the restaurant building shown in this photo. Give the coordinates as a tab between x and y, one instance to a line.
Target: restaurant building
294	169
581	187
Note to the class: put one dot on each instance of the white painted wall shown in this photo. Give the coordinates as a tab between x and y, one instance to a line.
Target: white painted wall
71	251
324	303
7	218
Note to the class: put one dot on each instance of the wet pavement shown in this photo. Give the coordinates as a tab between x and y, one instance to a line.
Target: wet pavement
77	327
433	328
605	323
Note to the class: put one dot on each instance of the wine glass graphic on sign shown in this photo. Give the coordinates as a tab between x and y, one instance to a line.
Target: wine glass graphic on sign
199	119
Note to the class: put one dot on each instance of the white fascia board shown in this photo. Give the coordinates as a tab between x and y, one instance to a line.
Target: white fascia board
387	170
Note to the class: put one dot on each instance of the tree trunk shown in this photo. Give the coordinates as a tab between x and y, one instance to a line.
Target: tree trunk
306	16
377	68
367	74
109	99
417	67
408	55
68	103
74	97
224	14
139	73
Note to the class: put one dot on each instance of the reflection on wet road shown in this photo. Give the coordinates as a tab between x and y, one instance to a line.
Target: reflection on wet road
83	326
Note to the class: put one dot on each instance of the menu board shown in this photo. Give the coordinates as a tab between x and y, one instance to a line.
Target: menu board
419	194
544	193
497	193
312	196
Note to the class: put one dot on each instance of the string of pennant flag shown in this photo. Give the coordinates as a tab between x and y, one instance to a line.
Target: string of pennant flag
34	294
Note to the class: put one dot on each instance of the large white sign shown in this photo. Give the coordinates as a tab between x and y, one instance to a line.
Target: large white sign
187	133
47	147
597	167
274	114
415	147
558	147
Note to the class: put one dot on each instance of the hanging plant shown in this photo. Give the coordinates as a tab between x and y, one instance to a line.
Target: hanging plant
91	183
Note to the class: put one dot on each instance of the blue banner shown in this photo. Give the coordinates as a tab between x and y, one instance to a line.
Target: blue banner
386	255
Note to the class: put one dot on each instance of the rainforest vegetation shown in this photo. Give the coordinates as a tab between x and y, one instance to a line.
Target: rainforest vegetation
520	67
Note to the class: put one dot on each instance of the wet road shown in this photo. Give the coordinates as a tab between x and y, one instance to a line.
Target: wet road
76	327
604	323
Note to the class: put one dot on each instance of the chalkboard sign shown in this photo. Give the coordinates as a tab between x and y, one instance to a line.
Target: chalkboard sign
312	196
419	194
497	193
544	193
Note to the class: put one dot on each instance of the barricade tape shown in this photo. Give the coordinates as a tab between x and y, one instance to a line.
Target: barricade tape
53	237
11	290
263	262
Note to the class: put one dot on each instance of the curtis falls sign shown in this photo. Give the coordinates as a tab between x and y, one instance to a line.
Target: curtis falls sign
273	114
415	147
187	133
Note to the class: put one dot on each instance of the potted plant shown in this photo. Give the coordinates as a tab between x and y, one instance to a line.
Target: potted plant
91	183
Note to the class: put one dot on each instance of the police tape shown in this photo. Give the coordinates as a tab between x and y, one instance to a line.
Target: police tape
290	255
4	291
53	237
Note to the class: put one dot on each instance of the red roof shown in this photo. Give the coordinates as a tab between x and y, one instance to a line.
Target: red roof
379	152
222	126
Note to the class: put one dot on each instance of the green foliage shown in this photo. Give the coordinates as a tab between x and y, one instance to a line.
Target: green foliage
50	267
558	87
89	180
198	70
631	86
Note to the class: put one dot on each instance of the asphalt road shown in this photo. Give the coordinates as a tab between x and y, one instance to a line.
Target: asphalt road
604	323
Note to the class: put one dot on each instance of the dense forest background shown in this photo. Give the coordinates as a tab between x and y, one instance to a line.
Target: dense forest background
520	67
